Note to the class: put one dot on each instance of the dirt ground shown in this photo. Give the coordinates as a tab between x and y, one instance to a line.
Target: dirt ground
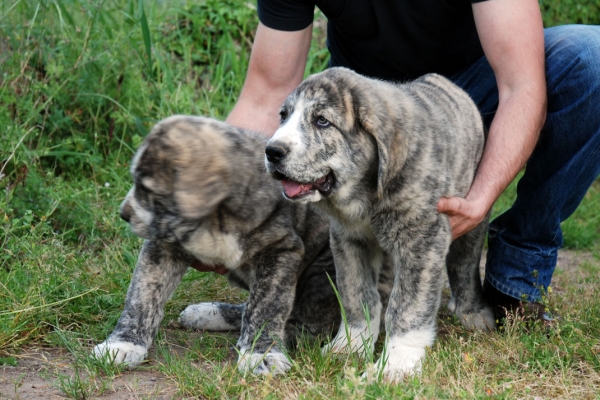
35	376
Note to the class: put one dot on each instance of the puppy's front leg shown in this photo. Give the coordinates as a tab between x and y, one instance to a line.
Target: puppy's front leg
156	276
357	264
410	319
268	308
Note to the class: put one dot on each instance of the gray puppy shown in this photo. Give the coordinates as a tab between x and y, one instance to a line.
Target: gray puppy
377	157
201	194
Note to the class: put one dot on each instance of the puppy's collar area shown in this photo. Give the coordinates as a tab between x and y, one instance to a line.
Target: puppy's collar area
294	189
200	266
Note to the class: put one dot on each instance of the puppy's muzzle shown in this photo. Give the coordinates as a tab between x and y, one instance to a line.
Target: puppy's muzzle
275	153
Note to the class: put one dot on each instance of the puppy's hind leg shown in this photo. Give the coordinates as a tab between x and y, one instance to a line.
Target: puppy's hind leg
213	316
462	262
156	276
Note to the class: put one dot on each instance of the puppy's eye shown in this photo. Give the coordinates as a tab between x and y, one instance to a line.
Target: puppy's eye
283	114
322	121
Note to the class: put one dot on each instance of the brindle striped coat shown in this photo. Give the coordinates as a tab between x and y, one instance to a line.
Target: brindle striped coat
377	157
201	193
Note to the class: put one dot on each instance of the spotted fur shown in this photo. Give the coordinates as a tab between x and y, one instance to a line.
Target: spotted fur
377	157
201	193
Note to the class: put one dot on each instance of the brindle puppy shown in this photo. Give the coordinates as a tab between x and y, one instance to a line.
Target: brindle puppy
377	157
201	194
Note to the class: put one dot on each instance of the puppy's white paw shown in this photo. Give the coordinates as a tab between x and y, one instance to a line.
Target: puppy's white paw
273	362
398	365
204	316
121	353
355	340
403	355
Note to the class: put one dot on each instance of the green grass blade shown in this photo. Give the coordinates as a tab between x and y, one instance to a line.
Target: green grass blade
146	36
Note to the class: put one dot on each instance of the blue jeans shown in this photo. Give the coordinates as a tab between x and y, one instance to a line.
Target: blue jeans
524	241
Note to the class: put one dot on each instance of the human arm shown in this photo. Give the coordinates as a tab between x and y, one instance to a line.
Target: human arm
512	37
276	67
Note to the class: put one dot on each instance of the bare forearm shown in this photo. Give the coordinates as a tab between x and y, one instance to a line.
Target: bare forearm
512	37
511	140
276	67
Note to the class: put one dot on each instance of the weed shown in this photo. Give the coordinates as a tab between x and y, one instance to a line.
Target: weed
12	361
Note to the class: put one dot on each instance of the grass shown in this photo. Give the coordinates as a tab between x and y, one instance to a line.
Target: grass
81	83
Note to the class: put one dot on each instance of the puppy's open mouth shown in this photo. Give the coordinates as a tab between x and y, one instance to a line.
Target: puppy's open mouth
294	190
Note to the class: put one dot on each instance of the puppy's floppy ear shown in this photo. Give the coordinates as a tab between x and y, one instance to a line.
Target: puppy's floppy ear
203	167
152	164
373	115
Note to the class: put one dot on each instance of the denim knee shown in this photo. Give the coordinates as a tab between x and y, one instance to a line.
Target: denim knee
572	52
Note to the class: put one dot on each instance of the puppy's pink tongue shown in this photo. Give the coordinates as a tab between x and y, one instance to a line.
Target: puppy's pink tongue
293	189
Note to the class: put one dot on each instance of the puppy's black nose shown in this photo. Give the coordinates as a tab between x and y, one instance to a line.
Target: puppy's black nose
275	153
125	216
125	212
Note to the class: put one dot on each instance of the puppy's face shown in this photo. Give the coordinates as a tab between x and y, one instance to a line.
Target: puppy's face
180	174
321	150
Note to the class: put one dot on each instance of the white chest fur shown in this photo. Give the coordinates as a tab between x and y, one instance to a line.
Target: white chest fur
215	248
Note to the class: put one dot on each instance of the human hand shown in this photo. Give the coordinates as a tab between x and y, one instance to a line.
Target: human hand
464	215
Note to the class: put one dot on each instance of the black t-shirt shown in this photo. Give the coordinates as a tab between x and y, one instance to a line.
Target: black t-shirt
387	39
